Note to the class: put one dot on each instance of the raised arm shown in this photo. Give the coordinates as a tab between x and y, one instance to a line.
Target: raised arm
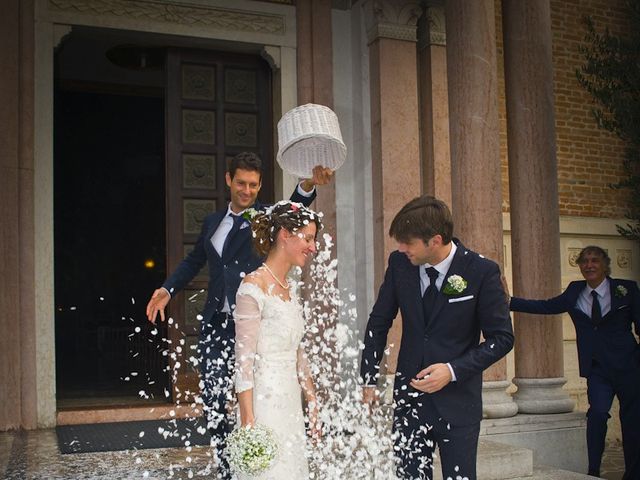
551	306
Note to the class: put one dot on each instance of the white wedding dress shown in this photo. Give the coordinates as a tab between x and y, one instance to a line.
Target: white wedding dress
270	360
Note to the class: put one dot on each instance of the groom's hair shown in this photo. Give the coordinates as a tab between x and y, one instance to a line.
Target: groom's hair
423	217
245	161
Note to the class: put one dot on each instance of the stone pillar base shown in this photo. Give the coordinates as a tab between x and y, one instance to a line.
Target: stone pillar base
496	402
542	395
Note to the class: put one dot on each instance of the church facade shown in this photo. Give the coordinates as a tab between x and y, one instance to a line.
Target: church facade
474	102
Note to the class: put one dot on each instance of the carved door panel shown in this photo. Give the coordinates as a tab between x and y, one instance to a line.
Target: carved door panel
217	105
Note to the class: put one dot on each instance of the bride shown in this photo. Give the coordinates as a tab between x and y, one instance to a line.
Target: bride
272	368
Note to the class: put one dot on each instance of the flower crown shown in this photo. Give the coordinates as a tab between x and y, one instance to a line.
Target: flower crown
296	208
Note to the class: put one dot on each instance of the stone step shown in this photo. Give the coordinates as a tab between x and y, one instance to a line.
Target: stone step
545	472
498	461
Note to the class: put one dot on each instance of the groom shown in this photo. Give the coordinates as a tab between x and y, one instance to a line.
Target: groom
225	245
447	296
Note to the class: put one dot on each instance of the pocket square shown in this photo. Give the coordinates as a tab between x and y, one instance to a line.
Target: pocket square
245	224
460	299
622	307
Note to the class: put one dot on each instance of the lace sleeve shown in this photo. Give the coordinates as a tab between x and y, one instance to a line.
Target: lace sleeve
304	371
247	316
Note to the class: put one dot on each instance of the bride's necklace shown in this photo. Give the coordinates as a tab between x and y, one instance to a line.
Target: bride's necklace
283	285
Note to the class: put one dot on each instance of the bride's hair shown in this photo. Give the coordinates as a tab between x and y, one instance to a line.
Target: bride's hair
285	214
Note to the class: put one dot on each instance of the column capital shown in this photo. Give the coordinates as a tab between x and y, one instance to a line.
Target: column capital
396	19
431	27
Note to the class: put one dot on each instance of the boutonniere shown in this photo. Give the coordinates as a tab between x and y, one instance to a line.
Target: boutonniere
249	214
455	285
621	291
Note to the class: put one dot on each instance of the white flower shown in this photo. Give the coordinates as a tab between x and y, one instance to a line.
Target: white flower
455	284
251	449
250	213
621	291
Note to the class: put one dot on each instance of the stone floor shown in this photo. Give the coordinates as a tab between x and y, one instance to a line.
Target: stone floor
612	462
34	455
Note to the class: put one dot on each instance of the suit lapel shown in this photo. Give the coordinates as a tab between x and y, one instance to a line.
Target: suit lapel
457	267
233	240
578	288
616	301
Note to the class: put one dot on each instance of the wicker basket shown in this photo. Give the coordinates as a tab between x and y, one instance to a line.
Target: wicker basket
309	135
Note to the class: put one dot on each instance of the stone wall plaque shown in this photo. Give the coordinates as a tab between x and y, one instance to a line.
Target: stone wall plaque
623	259
573	256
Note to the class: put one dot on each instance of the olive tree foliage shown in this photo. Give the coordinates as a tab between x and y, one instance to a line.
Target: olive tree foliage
611	74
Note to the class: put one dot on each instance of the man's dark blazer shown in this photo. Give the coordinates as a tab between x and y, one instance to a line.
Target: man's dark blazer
225	273
610	342
452	335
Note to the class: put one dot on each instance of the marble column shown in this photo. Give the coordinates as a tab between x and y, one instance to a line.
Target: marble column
476	188
315	81
29	330
434	104
533	194
18	395
315	85
395	136
9	218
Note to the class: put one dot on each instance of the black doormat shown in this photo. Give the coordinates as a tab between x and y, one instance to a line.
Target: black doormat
109	437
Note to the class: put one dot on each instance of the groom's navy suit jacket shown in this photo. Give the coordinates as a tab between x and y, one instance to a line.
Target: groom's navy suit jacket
225	273
451	336
609	342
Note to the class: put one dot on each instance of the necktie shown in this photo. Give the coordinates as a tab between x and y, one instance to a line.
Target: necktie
234	227
596	312
429	296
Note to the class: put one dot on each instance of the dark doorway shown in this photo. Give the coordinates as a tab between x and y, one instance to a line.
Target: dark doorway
126	171
109	196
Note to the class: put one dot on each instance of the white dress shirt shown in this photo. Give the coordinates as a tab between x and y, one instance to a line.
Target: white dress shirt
222	232
585	300
218	239
442	268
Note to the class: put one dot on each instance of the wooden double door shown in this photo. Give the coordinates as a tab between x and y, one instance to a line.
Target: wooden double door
217	105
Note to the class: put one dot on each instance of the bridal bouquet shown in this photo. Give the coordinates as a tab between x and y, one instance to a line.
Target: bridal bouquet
251	450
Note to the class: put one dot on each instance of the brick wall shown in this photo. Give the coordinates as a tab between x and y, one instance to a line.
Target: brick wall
589	159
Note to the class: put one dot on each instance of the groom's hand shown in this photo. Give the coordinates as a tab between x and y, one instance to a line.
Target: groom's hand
157	304
433	378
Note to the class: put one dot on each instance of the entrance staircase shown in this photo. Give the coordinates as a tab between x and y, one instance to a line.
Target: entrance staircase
499	461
